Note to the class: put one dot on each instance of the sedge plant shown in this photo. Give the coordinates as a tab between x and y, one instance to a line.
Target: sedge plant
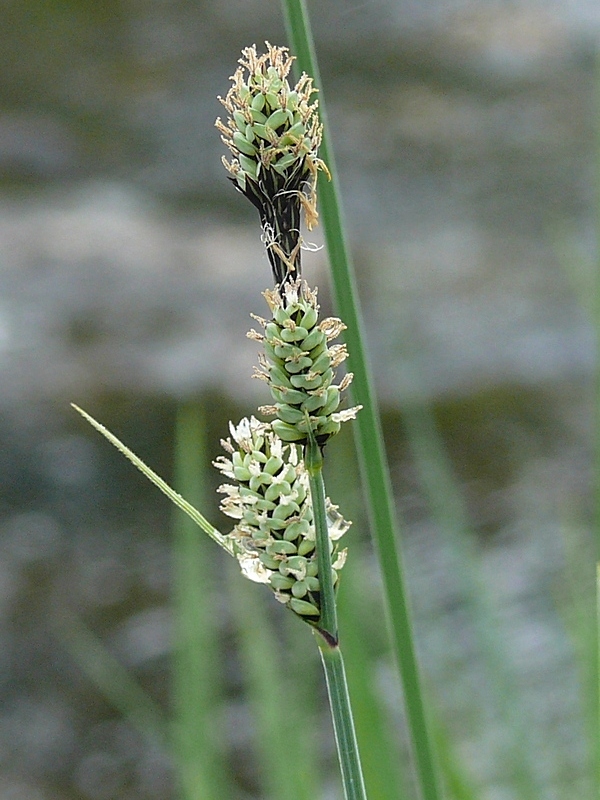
287	531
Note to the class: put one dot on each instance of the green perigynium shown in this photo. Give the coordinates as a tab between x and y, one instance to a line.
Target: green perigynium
274	536
299	365
273	132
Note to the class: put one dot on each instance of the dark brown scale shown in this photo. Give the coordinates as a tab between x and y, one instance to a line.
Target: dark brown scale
277	199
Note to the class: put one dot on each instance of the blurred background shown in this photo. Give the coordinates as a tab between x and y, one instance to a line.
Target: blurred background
465	142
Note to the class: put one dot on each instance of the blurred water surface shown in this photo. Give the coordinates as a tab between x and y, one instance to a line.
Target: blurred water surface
128	270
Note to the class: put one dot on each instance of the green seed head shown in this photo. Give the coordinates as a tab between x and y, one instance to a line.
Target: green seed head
274	535
273	132
298	364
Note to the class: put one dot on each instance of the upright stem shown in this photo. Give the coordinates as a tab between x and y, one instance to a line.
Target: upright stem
327	636
313	460
369	437
596	657
343	722
597	684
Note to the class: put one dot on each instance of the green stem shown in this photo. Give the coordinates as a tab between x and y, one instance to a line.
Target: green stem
369	437
595	667
327	635
313	460
596	314
597	748
343	723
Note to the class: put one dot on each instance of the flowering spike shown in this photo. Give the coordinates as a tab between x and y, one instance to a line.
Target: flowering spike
298	364
274	133
274	535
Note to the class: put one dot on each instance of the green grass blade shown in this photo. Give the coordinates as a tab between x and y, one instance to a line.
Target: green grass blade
597	771
376	738
459	784
580	620
449	514
343	722
366	646
596	322
596	649
173	496
198	742
368	430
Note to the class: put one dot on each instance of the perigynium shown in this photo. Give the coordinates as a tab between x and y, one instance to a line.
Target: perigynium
299	365
274	536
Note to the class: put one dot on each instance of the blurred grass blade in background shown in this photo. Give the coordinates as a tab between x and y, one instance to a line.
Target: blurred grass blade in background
375	472
448	513
366	646
197	686
596	315
598	677
111	678
378	743
281	696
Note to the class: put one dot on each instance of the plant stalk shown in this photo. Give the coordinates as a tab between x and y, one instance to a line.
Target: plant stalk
343	722
313	461
595	667
597	682
369	437
327	636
